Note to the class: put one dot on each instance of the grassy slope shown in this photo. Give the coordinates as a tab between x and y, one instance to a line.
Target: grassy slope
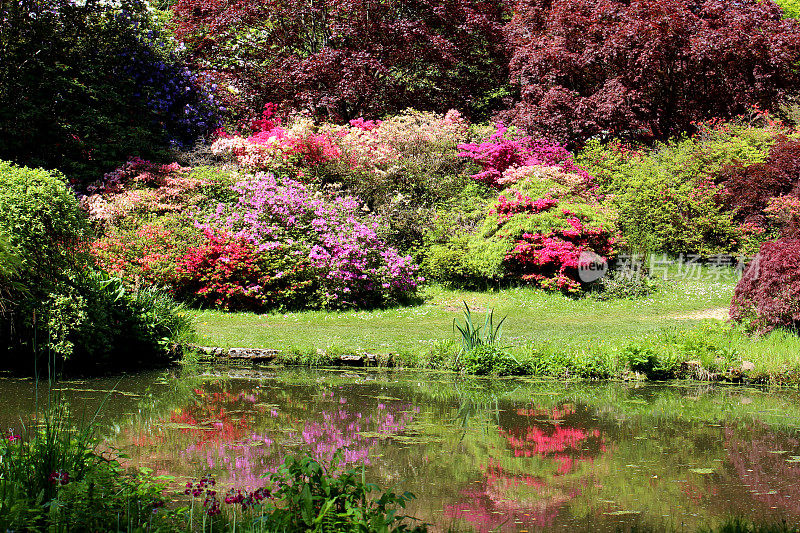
533	317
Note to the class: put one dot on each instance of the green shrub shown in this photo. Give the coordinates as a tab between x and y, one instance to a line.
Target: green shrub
9	266
791	8
485	360
646	361
449	265
554	361
41	218
443	355
624	284
667	200
65	312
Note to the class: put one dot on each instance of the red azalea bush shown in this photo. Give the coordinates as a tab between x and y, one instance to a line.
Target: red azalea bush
231	273
145	256
768	295
552	260
646	69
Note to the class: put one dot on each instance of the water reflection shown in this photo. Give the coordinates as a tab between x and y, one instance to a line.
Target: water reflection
481	455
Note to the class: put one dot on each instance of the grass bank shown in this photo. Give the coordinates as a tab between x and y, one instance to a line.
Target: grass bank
677	332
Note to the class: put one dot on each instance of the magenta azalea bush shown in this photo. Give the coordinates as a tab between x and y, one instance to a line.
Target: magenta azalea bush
506	159
349	263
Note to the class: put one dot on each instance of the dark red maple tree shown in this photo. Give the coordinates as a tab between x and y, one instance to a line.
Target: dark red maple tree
346	58
646	69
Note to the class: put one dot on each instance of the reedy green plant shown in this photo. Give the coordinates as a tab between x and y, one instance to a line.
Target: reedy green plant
53	479
473	336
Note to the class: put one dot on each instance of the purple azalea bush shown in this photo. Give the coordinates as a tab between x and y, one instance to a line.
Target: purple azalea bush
353	267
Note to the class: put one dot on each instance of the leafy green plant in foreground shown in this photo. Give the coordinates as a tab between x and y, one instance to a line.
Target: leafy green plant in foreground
306	496
479	353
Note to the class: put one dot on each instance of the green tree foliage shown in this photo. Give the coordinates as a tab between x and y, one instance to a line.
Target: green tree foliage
60	309
85	85
667	198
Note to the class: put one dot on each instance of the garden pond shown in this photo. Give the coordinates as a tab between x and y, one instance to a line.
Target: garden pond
480	454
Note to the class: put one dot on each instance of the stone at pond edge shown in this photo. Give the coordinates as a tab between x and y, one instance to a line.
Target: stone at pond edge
252	354
265	354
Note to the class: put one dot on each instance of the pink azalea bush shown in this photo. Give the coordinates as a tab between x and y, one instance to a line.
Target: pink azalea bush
547	215
368	146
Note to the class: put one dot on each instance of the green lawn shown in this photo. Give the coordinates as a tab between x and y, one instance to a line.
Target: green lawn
533	316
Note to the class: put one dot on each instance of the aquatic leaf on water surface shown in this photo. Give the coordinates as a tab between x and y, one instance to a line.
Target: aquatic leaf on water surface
702	470
175	425
101	391
373	435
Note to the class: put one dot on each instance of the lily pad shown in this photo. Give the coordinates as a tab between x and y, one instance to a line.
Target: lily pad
173	425
703	471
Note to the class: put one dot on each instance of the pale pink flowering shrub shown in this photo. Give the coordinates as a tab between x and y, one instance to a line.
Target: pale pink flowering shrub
275	147
375	146
144	188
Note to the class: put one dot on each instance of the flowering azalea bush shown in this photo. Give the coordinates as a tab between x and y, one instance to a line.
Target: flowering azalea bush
551	260
534	232
541	240
399	167
346	262
146	256
142	188
506	158
232	273
265	243
273	146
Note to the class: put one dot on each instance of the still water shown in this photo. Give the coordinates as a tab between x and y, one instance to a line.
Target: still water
480	454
